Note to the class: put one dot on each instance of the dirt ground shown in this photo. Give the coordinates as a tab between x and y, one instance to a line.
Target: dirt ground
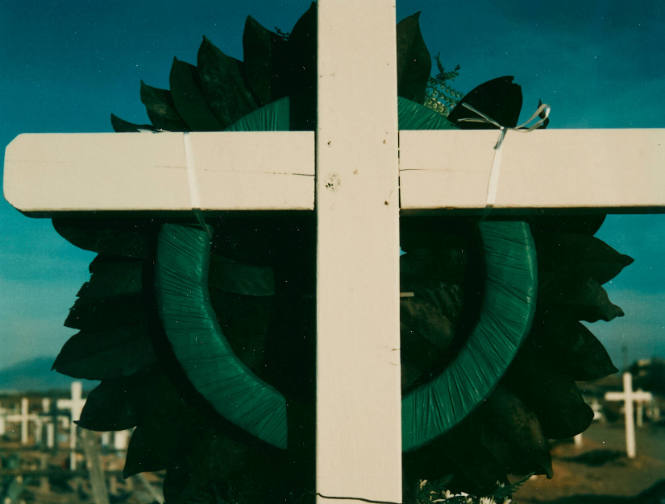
599	472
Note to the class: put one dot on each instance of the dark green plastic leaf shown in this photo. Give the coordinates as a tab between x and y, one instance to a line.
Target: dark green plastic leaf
161	109
103	354
414	63
574	348
122	126
110	406
579	255
500	99
189	99
113	276
113	237
146	452
265	62
238	278
584	224
512	433
413	116
106	313
552	395
301	82
223	84
581	299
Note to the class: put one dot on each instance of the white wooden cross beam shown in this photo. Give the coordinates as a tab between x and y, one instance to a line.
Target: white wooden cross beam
350	173
628	396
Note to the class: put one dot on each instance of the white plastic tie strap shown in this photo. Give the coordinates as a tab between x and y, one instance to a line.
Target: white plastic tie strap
193	182
536	120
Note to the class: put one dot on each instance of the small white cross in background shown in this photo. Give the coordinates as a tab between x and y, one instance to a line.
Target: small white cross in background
75	406
629	397
24	418
349	172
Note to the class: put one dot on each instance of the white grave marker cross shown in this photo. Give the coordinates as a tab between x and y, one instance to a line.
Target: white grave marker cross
24	418
628	396
75	406
351	174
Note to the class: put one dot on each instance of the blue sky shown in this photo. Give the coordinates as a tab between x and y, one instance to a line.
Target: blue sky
67	64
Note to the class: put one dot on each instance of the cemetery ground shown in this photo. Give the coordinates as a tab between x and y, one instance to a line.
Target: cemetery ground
599	471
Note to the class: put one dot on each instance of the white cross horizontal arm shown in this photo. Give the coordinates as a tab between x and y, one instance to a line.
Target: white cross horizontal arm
559	168
637	396
160	171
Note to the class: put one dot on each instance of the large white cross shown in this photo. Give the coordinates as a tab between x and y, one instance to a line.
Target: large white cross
351	174
628	396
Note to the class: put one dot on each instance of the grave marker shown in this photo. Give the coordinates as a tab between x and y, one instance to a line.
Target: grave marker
629	397
75	406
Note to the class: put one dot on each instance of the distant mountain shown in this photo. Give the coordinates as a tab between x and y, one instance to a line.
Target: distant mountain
35	375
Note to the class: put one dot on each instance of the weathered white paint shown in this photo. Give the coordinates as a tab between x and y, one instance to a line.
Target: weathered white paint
628	396
560	168
149	171
358	364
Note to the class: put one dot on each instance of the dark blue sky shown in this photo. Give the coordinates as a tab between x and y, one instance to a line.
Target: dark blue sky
66	65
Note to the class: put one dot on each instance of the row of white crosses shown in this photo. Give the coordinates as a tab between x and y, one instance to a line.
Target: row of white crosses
350	173
50	418
628	396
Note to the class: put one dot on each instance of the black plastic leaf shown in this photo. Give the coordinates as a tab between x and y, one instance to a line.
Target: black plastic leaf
265	62
189	99
574	347
146	452
580	299
106	313
499	99
512	432
301	78
223	84
584	224
414	62
122	126
161	109
579	255
551	394
110	407
112	353
113	276
114	237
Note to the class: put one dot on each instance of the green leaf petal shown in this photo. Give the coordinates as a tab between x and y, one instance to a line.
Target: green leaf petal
414	63
113	277
551	394
579	255
161	109
112	312
265	62
581	299
189	100
574	347
110	407
122	126
112	353
146	453
223	84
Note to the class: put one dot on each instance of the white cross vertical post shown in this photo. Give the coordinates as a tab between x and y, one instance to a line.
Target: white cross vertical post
3	415
358	451
75	406
628	397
